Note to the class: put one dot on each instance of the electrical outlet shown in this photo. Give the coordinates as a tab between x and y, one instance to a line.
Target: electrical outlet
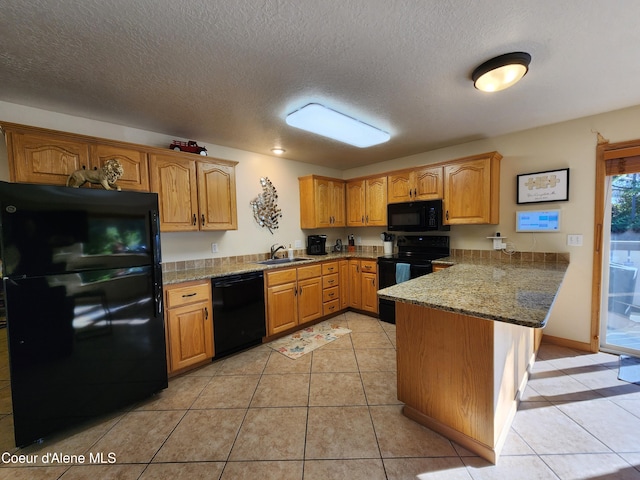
214	248
574	240
298	243
358	240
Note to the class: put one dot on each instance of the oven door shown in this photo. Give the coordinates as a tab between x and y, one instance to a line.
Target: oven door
387	278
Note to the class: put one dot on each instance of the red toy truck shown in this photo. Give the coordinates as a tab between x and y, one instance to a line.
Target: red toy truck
189	146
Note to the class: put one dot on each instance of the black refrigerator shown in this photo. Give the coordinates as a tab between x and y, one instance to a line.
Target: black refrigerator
82	280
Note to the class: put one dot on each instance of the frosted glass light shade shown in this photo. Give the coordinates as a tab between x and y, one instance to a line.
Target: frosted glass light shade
323	121
501	72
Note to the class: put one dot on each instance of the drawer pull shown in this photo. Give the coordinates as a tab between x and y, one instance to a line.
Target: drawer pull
331	281
332	294
189	295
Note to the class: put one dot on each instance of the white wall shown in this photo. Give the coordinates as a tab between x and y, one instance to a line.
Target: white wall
249	238
569	144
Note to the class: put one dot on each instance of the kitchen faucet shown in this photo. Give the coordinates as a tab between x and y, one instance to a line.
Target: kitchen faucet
274	250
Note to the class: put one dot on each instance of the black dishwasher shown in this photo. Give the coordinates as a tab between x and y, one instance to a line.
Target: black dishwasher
238	312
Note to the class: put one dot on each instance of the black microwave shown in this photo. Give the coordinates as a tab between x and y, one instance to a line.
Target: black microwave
422	216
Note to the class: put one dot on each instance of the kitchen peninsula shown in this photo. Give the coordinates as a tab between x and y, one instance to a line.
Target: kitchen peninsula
466	342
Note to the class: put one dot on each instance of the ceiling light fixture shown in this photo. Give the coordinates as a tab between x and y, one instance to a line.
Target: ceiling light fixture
501	72
278	150
323	121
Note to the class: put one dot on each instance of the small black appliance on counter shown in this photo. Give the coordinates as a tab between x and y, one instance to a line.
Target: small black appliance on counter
317	245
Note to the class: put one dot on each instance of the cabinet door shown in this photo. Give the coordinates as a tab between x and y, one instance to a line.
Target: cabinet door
400	187
309	299
355	203
134	164
216	196
355	284
323	193
338	204
427	183
344	283
376	202
282	307
369	289
190	335
174	179
45	159
467	193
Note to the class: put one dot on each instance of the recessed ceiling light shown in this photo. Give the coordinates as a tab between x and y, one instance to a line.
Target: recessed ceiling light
323	121
278	150
501	72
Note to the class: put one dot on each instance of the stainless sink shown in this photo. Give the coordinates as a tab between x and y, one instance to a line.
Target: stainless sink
279	261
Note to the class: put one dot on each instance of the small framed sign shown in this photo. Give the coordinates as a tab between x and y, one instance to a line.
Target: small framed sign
551	186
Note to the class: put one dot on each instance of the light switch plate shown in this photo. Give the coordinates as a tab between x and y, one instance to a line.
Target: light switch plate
574	240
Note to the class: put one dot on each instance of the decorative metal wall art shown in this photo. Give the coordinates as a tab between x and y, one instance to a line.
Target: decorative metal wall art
265	208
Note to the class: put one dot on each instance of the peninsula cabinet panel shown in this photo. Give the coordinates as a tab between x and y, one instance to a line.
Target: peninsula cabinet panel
46	159
217	196
472	190
134	164
174	179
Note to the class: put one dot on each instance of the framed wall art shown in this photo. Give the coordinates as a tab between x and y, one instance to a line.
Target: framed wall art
551	186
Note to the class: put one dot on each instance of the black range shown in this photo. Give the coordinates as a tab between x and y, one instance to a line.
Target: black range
414	251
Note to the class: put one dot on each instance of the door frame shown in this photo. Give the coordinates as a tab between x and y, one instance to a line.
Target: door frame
605	152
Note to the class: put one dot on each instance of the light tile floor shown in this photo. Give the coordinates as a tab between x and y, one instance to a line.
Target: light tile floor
333	414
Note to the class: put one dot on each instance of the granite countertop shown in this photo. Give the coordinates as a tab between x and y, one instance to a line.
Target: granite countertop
169	278
521	293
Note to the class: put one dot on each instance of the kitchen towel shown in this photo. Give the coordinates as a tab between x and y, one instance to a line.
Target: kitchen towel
403	272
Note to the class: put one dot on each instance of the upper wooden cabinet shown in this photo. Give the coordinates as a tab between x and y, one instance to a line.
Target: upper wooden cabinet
134	163
367	202
416	184
44	156
472	190
38	158
322	202
194	194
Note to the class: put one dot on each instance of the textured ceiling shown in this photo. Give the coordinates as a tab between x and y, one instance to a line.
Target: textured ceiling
228	71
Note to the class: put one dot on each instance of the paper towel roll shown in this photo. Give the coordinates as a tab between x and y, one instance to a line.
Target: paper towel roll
388	248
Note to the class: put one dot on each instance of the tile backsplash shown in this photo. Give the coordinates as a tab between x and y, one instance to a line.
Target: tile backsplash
370	250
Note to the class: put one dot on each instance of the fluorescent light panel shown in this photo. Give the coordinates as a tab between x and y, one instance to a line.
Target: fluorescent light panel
321	120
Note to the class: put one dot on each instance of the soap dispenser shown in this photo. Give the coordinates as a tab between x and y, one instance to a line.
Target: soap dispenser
290	252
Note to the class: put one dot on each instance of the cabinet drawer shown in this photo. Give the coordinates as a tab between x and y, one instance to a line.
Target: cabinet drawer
189	293
331	307
368	265
279	277
330	294
309	272
329	268
329	281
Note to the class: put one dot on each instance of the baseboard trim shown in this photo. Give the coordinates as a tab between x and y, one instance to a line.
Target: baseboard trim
565	342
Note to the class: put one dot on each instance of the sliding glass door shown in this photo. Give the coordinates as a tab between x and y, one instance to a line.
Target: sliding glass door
620	307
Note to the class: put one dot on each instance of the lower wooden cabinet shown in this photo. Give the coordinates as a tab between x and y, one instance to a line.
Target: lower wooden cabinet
293	297
189	322
363	285
331	288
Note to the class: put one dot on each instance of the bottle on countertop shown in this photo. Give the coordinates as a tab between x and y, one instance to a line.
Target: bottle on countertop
290	252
